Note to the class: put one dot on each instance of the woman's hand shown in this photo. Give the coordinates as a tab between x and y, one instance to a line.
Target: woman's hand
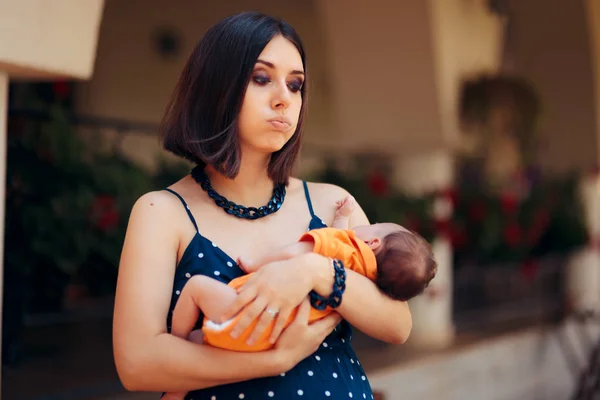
274	291
301	339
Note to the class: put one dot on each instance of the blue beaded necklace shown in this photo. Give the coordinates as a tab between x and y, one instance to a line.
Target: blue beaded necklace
237	210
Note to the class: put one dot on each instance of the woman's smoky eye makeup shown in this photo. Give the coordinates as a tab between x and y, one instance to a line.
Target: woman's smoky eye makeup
296	84
261	78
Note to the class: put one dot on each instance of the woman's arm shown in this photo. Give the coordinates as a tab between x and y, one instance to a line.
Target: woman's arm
146	356
363	304
369	310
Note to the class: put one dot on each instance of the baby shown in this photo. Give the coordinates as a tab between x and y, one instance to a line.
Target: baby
400	262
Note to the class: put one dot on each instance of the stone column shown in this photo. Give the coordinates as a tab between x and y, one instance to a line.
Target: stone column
433	325
583	269
3	111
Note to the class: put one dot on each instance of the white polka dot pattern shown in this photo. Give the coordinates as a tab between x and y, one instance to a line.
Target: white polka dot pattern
329	373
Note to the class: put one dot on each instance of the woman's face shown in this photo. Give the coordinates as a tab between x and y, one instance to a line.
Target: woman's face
272	102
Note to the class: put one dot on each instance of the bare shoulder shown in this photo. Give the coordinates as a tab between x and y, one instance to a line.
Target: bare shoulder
156	205
159	213
324	197
326	192
154	228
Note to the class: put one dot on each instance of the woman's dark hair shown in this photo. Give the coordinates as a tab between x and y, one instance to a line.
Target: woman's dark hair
201	120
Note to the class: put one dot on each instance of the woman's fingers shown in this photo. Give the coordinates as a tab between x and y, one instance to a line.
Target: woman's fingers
243	298
249	314
303	312
327	324
282	318
266	318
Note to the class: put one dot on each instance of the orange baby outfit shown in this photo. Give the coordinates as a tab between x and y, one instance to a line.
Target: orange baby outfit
330	242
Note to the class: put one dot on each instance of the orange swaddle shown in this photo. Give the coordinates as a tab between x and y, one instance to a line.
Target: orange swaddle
330	242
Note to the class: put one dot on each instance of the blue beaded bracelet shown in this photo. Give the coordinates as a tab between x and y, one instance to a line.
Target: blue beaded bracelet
339	286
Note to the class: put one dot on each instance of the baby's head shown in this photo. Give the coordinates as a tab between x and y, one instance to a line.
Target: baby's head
405	263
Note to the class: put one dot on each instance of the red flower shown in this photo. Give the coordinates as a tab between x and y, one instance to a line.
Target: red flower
412	223
61	89
109	220
477	211
104	201
378	184
538	227
458	237
449	194
104	213
443	228
512	234
509	203
529	269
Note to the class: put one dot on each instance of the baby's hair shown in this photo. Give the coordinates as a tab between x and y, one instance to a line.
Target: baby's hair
405	265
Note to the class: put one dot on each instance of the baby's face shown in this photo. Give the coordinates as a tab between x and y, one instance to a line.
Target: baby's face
368	233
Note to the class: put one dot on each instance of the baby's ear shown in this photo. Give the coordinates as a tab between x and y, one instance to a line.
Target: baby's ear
374	243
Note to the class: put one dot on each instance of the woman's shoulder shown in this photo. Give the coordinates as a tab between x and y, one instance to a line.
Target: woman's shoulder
326	192
157	205
323	197
160	205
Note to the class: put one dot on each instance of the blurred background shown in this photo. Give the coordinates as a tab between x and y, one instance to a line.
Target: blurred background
473	122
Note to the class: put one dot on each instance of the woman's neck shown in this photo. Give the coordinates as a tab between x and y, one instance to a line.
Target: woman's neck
252	186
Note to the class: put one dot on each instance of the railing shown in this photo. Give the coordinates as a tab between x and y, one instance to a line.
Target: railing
87	121
498	296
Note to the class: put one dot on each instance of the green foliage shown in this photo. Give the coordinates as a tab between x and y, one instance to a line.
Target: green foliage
67	205
490	227
380	202
485	227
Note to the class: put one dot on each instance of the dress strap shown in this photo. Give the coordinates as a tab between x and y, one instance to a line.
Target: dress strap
187	208
310	207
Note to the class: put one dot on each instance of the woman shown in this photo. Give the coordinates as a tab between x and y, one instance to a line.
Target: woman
237	112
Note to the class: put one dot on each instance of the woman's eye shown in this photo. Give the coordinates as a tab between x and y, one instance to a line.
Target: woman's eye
261	79
295	86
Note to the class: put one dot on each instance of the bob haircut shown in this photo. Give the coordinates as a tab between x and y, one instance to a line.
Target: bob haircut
201	120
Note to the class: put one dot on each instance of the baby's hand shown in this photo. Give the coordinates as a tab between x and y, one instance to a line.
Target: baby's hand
345	207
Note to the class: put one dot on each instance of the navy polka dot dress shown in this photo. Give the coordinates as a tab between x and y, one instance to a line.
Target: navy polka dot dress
332	372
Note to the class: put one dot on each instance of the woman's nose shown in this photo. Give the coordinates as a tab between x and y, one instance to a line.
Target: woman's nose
281	96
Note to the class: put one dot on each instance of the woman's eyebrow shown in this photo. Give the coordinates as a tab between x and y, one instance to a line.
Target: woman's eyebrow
271	65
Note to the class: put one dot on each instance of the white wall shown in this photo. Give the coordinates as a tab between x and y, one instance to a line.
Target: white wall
132	82
592	8
552	49
385	76
384	88
468	41
47	39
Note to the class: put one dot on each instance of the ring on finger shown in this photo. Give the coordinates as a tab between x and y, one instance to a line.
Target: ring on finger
272	312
